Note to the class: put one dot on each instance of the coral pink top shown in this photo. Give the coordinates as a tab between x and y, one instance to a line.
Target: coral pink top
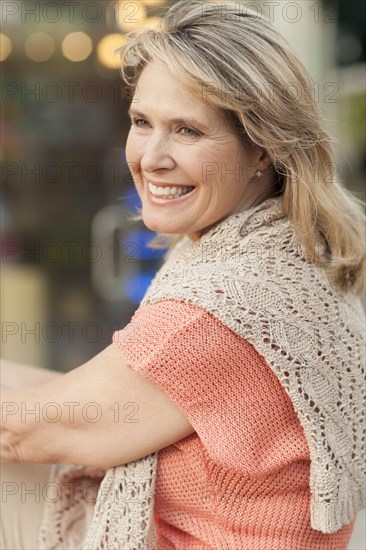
241	481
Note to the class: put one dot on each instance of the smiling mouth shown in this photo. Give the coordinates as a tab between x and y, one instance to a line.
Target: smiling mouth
170	192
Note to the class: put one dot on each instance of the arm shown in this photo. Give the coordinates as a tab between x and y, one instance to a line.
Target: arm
101	414
18	375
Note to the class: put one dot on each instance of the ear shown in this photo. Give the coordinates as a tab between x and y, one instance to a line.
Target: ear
263	160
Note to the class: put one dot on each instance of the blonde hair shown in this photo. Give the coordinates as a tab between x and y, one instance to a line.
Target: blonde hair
238	62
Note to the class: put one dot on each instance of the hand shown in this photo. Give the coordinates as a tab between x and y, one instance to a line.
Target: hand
25	435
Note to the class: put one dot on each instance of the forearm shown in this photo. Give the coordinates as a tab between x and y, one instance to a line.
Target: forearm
19	375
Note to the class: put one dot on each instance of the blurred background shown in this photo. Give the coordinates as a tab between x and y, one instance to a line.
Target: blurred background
74	269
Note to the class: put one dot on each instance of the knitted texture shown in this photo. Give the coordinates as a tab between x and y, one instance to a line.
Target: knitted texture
67	514
117	523
241	481
250	273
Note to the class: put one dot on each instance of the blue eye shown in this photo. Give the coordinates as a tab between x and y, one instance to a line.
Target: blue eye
135	121
194	133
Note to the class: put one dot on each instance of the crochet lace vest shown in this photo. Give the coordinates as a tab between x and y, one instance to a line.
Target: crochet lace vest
253	274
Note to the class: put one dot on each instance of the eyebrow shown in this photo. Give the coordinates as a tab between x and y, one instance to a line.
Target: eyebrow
192	121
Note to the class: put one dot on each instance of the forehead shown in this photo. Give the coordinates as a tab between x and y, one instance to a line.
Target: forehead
159	91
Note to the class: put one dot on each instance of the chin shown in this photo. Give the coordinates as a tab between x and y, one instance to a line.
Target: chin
158	226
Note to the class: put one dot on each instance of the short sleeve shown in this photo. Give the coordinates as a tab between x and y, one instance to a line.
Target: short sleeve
233	400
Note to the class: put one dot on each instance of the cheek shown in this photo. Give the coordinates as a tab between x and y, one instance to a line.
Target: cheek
132	157
132	150
201	164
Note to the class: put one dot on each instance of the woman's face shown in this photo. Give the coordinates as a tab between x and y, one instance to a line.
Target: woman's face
177	140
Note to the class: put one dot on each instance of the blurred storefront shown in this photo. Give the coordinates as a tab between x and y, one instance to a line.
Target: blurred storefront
73	268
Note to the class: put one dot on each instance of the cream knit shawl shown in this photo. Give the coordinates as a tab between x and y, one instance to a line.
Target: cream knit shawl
251	272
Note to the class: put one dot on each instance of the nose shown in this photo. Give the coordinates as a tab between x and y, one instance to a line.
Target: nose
157	153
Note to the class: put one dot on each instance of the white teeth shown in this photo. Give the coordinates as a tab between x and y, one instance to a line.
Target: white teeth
168	191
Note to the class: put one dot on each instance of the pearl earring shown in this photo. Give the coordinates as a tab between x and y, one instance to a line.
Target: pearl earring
259	174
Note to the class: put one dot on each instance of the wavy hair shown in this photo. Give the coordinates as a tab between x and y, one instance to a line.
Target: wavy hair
239	63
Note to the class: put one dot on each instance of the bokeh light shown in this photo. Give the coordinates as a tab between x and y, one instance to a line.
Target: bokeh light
77	46
130	16
106	50
5	46
39	46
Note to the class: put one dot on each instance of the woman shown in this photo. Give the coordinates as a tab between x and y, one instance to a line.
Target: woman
242	369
